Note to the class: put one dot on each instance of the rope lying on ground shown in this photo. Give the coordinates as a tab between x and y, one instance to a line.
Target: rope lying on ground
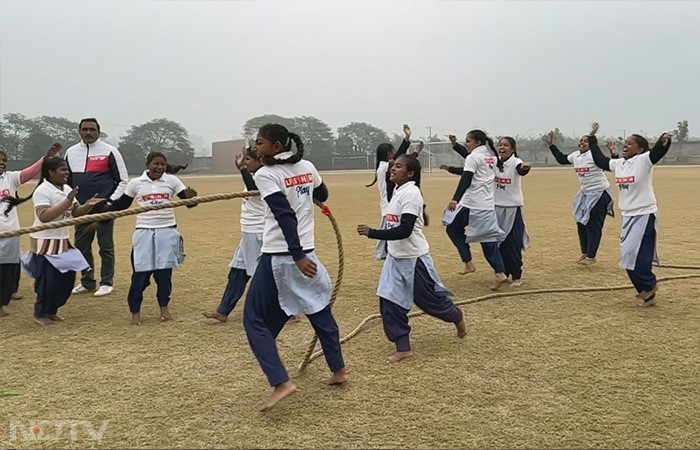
482	298
90	218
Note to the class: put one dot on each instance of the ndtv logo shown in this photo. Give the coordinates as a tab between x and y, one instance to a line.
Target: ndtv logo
52	430
582	169
298	179
502	180
393	218
624	180
149	197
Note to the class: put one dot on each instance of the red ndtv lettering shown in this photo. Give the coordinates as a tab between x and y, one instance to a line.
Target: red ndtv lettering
151	197
298	179
393	218
97	164
489	160
502	180
4	193
624	180
582	169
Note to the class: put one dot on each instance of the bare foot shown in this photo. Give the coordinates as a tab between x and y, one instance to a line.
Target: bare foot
461	327
338	377
516	283
55	318
398	356
3	313
468	268
281	392
136	319
587	261
216	315
164	313
43	321
16	296
294	319
583	256
498	282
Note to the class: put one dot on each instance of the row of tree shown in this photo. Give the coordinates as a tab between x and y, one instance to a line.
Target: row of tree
26	139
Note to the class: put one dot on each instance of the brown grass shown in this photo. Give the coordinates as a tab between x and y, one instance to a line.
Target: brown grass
564	370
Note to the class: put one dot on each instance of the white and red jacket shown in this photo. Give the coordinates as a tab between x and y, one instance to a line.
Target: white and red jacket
97	168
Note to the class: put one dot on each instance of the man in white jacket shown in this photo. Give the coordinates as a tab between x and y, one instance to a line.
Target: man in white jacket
96	168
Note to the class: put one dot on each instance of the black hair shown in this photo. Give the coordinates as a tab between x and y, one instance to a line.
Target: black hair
3	154
50	163
383	151
413	165
274	132
641	142
153	155
480	136
89	119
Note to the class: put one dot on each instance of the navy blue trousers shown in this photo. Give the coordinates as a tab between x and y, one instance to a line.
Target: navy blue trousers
512	248
263	319
16	288
455	231
237	281
8	277
52	287
395	317
642	276
141	280
589	235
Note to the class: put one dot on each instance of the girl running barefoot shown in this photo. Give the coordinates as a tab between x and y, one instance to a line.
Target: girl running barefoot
9	220
289	279
52	260
408	276
634	174
593	202
157	245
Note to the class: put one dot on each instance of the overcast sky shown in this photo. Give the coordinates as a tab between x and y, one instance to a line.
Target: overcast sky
509	67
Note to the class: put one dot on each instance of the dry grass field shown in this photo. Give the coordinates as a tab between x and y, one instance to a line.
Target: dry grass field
560	370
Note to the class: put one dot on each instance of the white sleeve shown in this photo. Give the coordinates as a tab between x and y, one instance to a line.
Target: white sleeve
266	182
123	175
317	176
614	163
15	178
470	163
412	204
41	198
647	160
570	157
130	189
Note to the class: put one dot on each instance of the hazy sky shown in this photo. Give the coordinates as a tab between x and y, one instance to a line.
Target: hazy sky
509	67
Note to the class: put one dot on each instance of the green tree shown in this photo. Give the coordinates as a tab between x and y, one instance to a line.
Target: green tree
158	135
250	128
317	137
365	137
36	145
344	146
14	129
59	128
682	131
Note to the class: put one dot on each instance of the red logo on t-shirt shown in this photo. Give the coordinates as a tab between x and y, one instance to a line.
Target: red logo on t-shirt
151	197
97	164
393	218
489	160
624	180
582	169
298	179
502	180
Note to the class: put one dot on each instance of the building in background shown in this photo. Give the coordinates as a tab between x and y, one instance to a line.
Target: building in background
223	154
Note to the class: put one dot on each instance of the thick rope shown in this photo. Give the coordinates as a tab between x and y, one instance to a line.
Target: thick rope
90	218
374	317
338	282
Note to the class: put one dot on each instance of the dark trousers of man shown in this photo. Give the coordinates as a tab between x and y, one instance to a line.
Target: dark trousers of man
589	235
263	319
52	287
237	281
512	248
642	277
105	241
8	276
395	317
455	231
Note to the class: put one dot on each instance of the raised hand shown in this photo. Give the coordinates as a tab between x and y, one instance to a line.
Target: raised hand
53	151
612	146
421	146
363	230
71	195
307	267
594	128
444	167
666	138
549	138
190	192
407	132
239	160
452	138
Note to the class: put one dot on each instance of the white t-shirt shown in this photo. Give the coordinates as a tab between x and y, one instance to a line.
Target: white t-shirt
149	192
634	177
407	199
253	210
508	189
48	194
296	182
9	182
482	162
591	177
381	185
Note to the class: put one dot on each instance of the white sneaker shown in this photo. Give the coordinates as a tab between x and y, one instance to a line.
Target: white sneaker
79	289
104	290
